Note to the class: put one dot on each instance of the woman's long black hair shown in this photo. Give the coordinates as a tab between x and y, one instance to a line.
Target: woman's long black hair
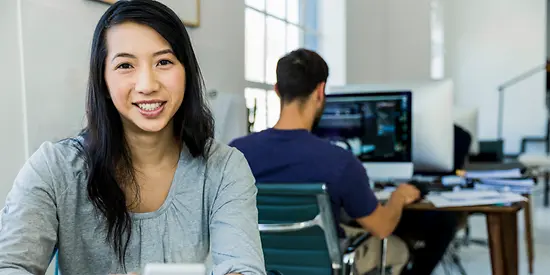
107	153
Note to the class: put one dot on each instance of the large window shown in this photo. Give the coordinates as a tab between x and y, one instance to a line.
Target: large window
272	29
437	40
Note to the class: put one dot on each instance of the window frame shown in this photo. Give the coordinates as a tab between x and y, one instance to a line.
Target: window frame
307	32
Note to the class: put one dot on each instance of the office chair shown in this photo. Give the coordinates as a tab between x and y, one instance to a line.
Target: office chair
54	257
299	234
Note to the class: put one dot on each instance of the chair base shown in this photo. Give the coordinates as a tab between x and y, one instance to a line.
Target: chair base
452	259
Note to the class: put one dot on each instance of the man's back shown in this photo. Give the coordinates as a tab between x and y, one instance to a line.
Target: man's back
296	156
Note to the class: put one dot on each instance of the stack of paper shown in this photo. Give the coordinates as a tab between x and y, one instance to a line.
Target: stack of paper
520	186
472	198
510	173
510	180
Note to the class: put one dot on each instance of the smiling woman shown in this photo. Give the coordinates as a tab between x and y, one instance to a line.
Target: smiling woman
144	181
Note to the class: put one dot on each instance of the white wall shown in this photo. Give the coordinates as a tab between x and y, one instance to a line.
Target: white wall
489	42
11	116
219	46
56	44
388	40
332	42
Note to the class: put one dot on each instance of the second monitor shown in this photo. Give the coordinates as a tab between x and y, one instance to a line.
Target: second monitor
375	127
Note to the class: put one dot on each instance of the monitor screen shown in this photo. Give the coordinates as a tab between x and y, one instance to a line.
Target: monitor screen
376	127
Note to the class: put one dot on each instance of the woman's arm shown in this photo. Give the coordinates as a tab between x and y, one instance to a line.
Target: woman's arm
28	222
234	234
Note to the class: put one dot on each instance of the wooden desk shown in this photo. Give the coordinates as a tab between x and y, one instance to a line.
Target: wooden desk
502	229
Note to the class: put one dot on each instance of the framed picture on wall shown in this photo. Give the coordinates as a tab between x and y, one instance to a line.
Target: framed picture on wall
107	1
188	10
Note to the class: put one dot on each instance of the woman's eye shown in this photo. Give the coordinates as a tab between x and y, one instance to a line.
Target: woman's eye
165	62
124	66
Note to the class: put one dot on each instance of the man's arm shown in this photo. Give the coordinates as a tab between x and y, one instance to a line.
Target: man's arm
384	219
361	204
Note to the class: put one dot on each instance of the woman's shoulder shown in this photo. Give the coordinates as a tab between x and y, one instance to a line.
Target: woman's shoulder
222	155
52	167
61	159
66	152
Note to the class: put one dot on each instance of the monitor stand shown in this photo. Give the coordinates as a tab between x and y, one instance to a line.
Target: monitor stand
383	171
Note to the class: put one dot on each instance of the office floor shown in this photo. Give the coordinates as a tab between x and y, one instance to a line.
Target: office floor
476	258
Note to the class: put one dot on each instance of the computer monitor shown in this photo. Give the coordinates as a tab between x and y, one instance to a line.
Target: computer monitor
433	128
375	127
432	117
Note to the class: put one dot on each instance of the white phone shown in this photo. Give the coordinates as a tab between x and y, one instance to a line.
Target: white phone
174	269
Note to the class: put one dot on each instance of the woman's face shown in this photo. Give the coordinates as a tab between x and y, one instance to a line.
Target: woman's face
146	81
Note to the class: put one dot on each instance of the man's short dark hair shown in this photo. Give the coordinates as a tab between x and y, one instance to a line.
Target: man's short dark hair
298	74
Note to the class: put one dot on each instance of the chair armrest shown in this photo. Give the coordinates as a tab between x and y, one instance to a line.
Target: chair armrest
356	241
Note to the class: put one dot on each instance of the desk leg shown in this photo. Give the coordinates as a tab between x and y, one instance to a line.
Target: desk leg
503	243
496	248
510	240
529	234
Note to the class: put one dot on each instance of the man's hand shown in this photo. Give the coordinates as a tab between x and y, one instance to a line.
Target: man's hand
406	194
382	222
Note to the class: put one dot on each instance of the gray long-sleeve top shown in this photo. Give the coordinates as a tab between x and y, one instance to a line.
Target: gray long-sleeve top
210	210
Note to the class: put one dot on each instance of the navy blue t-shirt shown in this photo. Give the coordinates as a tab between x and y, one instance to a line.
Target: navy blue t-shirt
296	156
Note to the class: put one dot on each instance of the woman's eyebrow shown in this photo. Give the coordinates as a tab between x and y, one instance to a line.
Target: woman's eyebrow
123	55
163	52
129	55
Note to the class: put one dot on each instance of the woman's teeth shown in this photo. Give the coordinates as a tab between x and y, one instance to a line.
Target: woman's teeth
149	106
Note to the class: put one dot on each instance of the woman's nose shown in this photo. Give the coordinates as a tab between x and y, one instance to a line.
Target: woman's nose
146	82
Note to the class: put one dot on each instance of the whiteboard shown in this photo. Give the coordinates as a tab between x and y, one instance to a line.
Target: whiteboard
187	10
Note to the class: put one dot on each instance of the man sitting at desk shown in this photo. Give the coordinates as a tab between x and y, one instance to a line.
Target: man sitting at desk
288	152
